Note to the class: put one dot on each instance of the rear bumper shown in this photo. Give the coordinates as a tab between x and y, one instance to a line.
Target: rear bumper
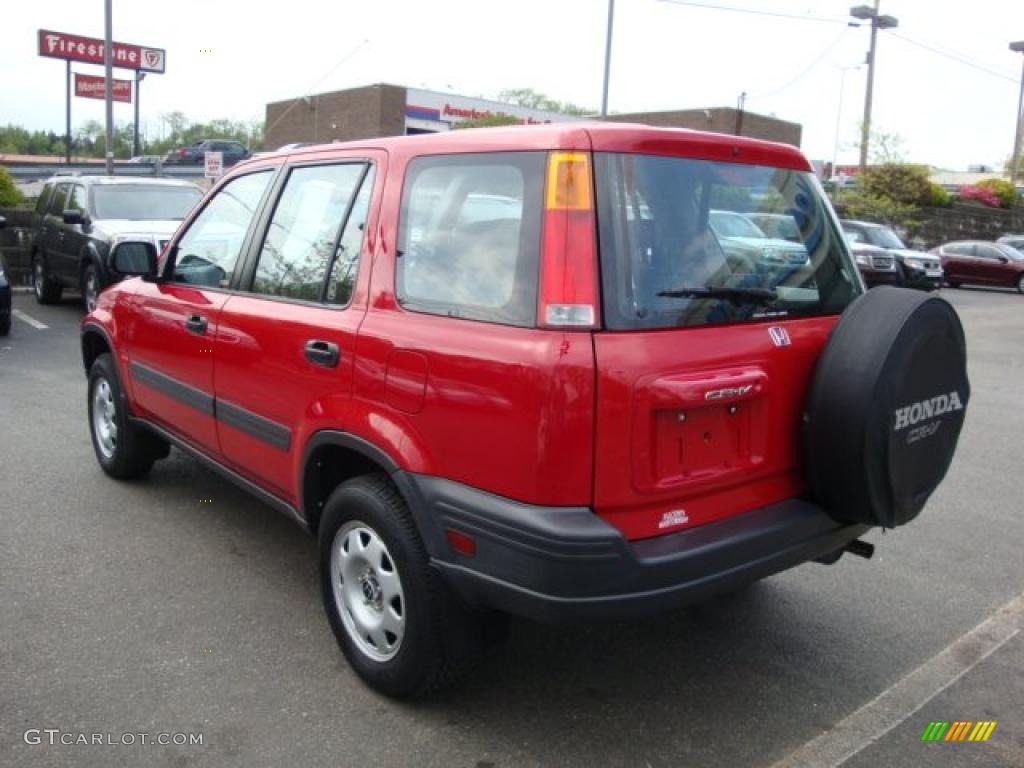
565	563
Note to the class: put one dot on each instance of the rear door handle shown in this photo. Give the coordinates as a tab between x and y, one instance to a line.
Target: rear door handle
323	353
196	324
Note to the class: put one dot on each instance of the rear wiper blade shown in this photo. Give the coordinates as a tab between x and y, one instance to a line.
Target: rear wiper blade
735	295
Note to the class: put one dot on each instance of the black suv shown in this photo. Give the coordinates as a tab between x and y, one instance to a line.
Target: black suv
915	269
78	218
232	151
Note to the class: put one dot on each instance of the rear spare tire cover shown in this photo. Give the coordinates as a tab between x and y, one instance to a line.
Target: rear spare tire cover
886	406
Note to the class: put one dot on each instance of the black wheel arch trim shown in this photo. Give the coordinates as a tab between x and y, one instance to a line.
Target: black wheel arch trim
93	327
428	525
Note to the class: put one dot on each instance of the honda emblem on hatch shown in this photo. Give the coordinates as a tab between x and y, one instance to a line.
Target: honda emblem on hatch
780	337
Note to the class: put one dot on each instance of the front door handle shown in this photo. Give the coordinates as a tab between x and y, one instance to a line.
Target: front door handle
323	353
196	324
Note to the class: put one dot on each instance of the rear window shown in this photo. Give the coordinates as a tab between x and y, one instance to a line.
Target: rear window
680	246
142	202
469	236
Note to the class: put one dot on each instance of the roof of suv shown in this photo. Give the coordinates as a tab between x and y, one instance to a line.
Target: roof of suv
608	137
120	180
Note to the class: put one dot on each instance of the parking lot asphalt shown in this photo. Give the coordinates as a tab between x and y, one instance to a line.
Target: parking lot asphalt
179	604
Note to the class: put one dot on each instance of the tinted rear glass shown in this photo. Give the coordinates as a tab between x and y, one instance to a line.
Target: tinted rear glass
140	202
679	246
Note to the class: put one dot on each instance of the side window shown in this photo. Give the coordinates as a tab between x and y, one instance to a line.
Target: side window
345	266
303	234
59	200
44	199
77	200
469	236
987	252
208	252
958	250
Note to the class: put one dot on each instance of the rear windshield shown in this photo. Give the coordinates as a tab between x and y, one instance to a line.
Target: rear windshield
679	246
141	202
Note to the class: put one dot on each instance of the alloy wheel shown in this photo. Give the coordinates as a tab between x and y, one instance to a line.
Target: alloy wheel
104	418
368	591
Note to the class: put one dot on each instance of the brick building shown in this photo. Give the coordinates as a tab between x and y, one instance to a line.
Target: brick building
394	110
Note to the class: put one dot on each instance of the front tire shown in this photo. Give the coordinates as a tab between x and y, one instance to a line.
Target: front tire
124	449
46	290
1020	284
5	324
90	287
401	629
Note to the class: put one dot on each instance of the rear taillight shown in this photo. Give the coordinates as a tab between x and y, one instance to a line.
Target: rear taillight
568	274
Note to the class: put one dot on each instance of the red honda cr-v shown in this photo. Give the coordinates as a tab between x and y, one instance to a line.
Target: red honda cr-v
515	371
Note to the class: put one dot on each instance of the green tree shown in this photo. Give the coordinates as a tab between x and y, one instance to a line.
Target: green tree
900	182
10	195
488	122
1002	189
527	97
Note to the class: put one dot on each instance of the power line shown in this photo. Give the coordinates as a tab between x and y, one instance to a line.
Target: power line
817	60
309	90
954	57
756	12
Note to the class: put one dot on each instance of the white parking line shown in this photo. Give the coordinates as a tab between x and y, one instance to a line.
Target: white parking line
898	702
29	319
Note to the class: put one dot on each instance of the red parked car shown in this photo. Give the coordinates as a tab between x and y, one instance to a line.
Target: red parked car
978	262
513	370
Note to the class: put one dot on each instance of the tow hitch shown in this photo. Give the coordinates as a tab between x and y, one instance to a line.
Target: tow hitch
855	547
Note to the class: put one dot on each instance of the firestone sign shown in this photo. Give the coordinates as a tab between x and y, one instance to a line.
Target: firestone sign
60	45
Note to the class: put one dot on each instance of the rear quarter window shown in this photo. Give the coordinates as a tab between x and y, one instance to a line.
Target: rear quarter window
469	236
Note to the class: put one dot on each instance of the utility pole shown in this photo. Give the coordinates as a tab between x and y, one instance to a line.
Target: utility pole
136	147
108	65
865	13
67	112
607	59
1018	47
741	105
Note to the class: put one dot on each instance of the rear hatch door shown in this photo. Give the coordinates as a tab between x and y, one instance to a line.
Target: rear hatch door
707	354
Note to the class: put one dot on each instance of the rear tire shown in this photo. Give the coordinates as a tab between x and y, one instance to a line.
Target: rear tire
1020	284
953	283
5	325
124	449
45	289
400	627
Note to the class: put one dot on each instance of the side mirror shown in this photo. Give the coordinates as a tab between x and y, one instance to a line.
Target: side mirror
133	257
1003	260
74	216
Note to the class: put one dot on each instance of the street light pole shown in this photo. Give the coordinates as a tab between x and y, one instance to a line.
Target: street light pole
865	13
1018	47
607	59
108	66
